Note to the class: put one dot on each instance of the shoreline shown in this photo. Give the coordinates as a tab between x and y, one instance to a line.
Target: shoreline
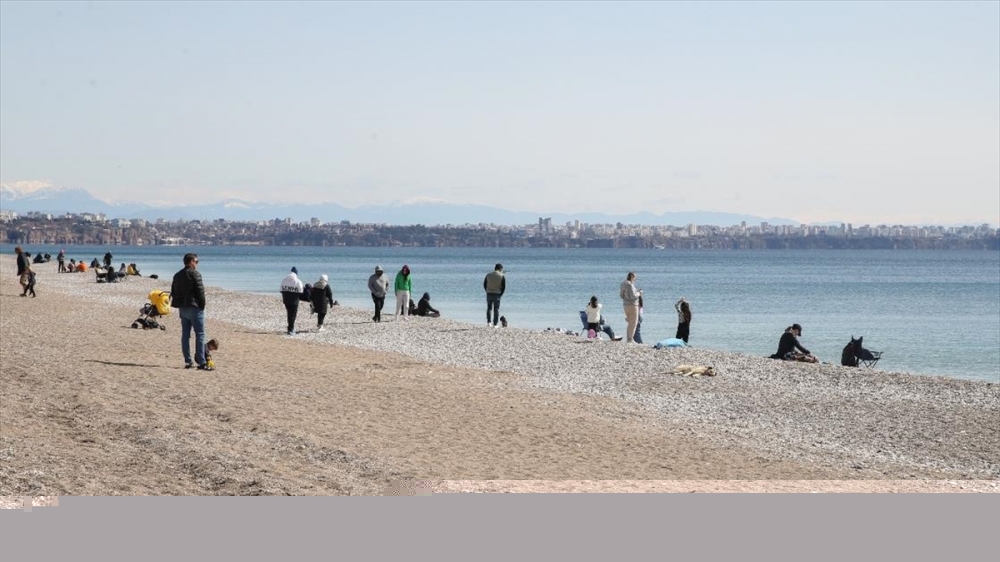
739	326
825	420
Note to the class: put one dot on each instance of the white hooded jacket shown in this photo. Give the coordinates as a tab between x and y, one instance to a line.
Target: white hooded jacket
291	284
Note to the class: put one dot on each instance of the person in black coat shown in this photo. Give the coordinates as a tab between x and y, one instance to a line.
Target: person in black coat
424	307
322	300
789	343
187	295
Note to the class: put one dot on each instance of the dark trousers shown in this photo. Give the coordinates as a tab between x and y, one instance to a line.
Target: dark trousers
682	331
379	303
637	338
291	301
319	319
493	304
30	288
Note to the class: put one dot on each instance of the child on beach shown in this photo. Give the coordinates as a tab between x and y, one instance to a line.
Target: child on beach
210	346
638	324
31	283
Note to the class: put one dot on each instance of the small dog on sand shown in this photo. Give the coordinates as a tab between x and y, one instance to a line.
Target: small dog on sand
693	371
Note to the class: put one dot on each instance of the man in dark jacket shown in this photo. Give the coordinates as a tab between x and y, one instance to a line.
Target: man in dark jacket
187	295
494	284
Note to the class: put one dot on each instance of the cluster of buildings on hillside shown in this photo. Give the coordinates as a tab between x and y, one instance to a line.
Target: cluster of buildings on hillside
85	228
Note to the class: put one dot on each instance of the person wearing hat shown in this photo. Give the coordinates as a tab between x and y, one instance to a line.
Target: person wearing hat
404	284
291	293
790	349
322	299
378	285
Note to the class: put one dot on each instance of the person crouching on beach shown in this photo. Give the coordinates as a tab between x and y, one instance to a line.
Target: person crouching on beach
291	293
424	308
789	343
322	300
630	301
378	286
404	284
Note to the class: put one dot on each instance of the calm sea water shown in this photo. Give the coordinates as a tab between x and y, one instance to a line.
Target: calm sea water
931	312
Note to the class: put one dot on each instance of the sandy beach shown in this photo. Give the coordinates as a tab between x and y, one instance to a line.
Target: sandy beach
90	406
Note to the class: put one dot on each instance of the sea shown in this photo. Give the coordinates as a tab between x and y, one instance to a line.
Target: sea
929	311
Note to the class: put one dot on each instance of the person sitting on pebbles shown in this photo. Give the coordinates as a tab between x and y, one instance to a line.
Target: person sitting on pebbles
424	308
789	343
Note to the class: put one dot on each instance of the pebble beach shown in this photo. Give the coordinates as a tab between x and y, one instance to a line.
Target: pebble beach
361	407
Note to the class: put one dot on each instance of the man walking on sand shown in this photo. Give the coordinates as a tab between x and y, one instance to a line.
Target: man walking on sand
378	285
291	294
494	284
187	295
630	300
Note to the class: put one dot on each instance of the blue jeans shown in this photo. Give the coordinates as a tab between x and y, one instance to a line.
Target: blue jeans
192	317
492	304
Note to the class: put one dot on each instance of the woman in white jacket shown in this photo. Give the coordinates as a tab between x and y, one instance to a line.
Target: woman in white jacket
593	311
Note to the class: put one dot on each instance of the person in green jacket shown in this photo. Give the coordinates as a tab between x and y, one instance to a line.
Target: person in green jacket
403	287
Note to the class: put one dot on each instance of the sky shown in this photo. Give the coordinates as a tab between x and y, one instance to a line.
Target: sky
847	111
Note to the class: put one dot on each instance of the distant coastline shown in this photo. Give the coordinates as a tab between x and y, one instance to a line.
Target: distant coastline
97	230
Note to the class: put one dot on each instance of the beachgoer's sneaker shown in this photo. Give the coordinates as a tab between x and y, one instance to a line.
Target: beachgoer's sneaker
616	339
291	333
188	365
320	329
206	368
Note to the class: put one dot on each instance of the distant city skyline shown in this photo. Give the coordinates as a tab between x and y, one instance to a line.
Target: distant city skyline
879	113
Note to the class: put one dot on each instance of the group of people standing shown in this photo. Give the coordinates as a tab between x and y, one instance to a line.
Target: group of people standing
632	302
320	295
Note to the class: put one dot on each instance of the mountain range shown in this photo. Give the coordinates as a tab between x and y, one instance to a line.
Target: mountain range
58	201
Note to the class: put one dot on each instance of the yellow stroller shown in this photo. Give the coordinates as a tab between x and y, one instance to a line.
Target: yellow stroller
158	306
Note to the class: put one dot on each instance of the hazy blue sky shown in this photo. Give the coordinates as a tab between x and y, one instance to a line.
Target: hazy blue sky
865	112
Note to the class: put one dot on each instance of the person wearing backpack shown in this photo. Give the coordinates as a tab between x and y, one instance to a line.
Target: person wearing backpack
291	293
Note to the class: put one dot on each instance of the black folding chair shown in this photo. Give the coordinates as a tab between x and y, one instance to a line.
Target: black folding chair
870	359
